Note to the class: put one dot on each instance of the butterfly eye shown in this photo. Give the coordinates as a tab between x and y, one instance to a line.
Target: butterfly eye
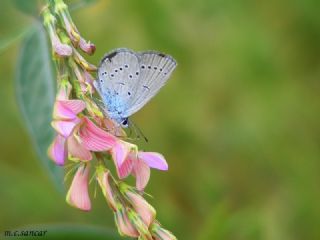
124	123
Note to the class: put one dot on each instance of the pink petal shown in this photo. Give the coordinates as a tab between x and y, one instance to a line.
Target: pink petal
159	233
60	48
125	168
68	109
125	227
64	128
122	158
77	150
87	47
78	195
94	138
64	91
142	207
142	173
57	150
154	160
103	178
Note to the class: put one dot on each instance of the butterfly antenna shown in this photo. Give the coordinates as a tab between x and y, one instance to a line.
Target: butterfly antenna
138	130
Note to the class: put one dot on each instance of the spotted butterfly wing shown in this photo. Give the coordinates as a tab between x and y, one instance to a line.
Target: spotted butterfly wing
128	80
116	74
155	70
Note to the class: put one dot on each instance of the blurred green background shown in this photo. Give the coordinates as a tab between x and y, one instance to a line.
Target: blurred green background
238	122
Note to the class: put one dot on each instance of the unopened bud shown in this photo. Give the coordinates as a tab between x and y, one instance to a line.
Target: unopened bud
103	177
87	47
125	226
83	63
145	211
159	233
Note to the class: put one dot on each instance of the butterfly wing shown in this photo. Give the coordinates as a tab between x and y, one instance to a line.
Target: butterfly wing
117	74
155	69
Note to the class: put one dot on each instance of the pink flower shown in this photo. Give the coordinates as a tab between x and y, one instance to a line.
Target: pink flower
159	233
85	79
141	168
128	160
57	150
146	212
125	226
59	48
87	47
78	195
76	136
122	155
103	178
65	120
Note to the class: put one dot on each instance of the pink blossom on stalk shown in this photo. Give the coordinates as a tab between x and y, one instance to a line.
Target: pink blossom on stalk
159	233
57	150
87	47
68	109
80	136
62	10
77	150
78	195
128	160
85	79
146	212
64	90
103	178
142	165
94	138
125	226
59	48
123	155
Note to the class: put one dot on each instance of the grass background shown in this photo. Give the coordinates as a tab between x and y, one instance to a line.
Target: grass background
238	122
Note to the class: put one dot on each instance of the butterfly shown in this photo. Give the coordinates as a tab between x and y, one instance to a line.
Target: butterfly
127	80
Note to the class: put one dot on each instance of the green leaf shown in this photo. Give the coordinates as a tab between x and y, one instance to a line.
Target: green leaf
67	231
30	7
7	41
35	88
81	4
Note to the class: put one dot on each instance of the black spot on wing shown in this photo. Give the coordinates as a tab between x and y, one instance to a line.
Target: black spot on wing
161	54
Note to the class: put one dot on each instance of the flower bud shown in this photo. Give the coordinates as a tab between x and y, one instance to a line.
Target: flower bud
141	227
125	226
60	49
87	47
103	178
83	63
159	233
62	10
145	211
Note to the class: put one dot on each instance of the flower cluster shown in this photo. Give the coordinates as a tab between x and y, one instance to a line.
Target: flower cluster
88	139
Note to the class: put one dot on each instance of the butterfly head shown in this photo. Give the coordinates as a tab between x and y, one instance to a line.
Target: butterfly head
124	122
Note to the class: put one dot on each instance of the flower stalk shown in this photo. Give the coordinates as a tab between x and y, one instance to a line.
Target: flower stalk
89	140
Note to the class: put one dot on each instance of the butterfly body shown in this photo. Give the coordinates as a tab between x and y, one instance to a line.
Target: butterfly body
127	80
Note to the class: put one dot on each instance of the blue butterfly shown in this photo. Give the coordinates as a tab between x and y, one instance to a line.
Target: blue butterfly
127	80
